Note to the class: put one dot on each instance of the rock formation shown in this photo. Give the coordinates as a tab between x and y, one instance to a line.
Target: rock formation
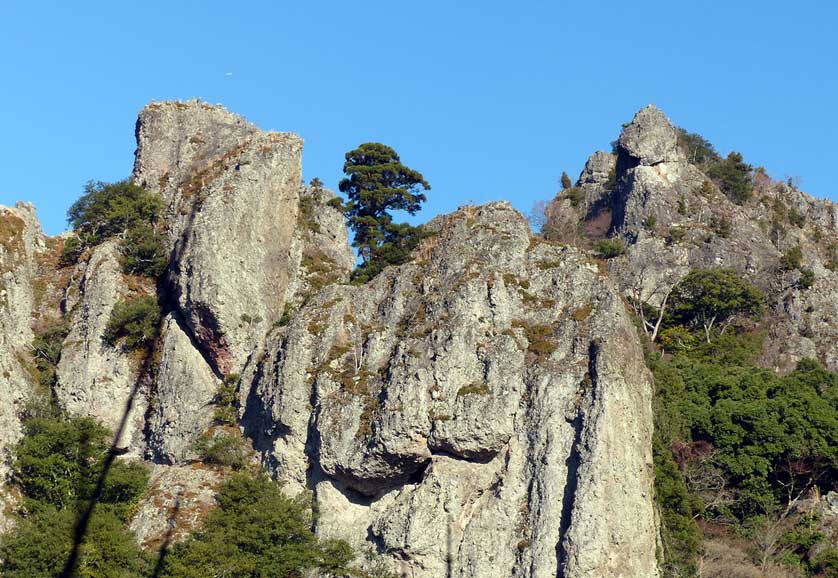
481	411
672	218
492	391
21	241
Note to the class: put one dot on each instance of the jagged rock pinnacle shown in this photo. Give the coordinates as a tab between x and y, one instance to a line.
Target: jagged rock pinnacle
651	138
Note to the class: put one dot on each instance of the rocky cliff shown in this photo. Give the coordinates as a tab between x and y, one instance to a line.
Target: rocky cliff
672	218
482	411
491	392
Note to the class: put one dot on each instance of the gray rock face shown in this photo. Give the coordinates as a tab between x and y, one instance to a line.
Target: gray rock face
319	249
599	170
95	379
673	219
233	198
21	239
181	403
176	503
249	244
491	391
650	138
482	411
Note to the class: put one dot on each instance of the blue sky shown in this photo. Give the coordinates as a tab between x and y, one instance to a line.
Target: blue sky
490	100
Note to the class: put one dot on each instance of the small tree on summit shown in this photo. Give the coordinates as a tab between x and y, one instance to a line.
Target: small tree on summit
566	184
377	183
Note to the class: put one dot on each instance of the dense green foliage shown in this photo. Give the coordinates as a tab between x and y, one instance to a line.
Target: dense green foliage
680	534
769	434
41	543
697	149
376	184
143	252
257	531
711	298
111	209
57	466
123	210
737	442
733	176
609	248
133	323
58	462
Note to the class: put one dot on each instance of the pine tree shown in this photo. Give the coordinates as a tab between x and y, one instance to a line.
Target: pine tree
566	184
377	183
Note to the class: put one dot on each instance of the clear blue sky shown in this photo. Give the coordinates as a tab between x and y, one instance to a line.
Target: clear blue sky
490	100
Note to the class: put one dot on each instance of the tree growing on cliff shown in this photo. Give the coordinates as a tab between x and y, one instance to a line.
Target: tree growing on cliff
712	298
733	176
56	467
566	184
111	209
376	184
697	149
122	210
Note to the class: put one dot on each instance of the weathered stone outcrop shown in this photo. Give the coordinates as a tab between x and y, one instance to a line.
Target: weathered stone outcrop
248	244
650	138
481	411
492	392
233	197
673	219
176	503
181	401
21	239
94	378
565	213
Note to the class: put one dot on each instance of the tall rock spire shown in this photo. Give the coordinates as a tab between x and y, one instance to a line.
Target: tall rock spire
650	138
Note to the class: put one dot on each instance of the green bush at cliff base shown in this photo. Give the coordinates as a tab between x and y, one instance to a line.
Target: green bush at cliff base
57	465
58	462
761	437
257	531
680	534
765	431
41	543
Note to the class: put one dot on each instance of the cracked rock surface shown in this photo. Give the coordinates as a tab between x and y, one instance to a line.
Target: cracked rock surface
492	392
